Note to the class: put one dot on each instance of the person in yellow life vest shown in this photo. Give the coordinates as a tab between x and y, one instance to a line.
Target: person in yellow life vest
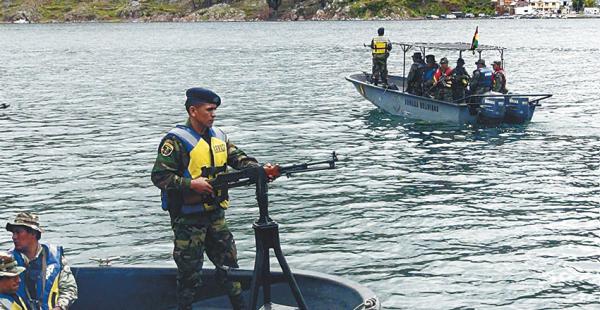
9	284
380	49
48	283
188	157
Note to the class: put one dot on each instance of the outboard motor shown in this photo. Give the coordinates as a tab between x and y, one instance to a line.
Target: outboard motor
492	110
519	110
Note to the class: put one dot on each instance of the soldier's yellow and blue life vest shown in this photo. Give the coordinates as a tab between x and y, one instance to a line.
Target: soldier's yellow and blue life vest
485	78
12	302
43	273
207	160
380	45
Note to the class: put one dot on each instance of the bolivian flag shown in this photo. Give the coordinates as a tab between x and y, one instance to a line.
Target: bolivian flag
475	42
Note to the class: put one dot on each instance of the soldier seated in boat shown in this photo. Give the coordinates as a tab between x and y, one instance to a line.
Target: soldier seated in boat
499	78
9	283
482	79
48	281
460	80
415	75
442	79
428	72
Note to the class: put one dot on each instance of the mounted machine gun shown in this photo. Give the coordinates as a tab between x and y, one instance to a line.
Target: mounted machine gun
266	231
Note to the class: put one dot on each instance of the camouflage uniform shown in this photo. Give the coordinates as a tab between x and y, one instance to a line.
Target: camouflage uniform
380	56
460	82
414	77
197	233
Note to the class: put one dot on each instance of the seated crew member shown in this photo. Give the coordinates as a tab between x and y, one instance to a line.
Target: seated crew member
442	79
428	72
482	79
415	75
9	284
499	78
48	283
460	80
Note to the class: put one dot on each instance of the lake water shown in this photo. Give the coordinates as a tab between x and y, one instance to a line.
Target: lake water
427	216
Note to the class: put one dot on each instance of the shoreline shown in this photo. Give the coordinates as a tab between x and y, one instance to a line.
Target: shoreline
181	20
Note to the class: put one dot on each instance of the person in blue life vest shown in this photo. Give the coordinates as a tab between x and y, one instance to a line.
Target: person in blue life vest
188	157
380	49
428	72
47	283
9	283
482	79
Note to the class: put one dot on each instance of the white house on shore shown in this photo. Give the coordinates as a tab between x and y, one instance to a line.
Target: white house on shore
523	7
591	11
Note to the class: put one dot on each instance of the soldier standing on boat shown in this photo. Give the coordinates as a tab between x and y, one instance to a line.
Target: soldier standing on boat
499	78
415	75
460	80
48	282
9	284
188	157
380	49
442	79
428	73
482	79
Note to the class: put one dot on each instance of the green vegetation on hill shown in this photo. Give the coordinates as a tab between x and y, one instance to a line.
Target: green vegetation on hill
197	10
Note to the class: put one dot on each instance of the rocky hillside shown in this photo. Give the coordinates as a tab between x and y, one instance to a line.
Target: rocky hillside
46	11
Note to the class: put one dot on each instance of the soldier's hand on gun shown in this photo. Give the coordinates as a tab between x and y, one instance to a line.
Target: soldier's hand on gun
272	171
201	185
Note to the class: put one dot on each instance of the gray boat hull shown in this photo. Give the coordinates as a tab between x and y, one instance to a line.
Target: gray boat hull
154	288
403	104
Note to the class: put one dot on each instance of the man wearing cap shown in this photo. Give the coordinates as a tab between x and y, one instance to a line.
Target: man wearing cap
415	74
9	284
188	156
48	283
499	78
380	49
442	79
482	79
460	80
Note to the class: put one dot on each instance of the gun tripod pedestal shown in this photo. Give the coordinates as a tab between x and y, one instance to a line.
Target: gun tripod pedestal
267	237
266	234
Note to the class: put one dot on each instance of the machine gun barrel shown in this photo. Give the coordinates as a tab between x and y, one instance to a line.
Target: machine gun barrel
307	167
250	176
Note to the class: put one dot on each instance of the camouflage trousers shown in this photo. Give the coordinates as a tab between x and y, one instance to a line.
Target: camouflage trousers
194	235
380	72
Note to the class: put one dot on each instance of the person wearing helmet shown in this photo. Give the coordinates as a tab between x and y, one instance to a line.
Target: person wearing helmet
380	49
482	79
10	281
413	80
442	81
460	80
48	283
188	157
499	84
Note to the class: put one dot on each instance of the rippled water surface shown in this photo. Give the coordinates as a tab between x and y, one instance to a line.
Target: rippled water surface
427	216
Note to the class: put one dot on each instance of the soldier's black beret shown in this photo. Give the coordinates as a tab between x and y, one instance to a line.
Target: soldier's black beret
199	95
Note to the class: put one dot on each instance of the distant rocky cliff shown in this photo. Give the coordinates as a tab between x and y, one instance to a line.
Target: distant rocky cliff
47	11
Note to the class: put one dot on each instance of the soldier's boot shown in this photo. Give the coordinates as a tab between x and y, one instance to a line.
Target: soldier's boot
237	302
